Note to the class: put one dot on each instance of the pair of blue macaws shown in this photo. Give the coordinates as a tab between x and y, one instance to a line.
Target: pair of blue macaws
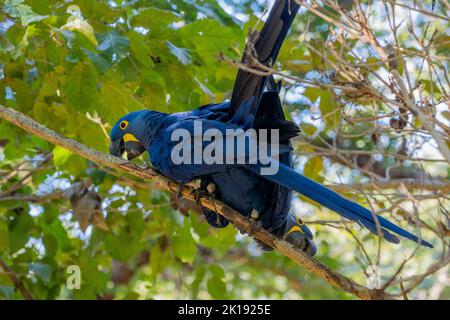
254	104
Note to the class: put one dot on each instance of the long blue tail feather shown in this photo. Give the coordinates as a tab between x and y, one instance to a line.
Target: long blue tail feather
291	179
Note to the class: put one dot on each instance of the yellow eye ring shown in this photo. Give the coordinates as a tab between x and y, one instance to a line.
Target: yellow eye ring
123	124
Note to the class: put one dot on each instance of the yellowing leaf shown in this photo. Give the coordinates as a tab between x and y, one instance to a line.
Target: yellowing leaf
446	114
60	156
430	87
313	168
308	129
77	24
75	165
326	104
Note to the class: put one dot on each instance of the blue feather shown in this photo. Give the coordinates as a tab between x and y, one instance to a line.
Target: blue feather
293	180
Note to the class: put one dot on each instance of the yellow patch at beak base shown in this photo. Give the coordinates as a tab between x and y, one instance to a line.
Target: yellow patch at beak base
129	137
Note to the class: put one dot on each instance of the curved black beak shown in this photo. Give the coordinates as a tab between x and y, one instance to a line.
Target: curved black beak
116	148
133	148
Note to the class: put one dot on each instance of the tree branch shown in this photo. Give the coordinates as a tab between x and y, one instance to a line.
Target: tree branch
337	280
34	198
410	184
18	283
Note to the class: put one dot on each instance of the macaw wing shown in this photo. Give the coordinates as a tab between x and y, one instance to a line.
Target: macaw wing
217	111
193	148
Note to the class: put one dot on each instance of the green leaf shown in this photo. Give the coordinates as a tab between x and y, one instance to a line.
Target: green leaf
93	280
56	230
21	93
43	271
156	261
4	236
60	156
216	288
182	54
7	291
99	62
19	231
139	49
214	10
217	271
184	245
123	246
16	9
327	108
114	45
200	272
128	69
68	161
153	19
220	240
209	37
200	228
51	244
216	285
81	86
117	100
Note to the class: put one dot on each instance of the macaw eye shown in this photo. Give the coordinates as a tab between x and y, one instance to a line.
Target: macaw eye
123	125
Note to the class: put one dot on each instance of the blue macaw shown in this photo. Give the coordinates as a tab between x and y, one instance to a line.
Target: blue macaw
241	186
264	198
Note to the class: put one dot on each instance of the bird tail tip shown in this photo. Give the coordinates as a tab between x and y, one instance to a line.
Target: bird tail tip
426	244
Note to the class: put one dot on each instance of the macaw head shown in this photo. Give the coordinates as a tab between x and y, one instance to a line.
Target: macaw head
128	134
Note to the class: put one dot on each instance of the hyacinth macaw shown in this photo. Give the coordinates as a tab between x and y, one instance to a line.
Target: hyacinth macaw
264	198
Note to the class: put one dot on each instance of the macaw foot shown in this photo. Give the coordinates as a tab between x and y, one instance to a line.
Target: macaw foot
198	194
208	191
298	234
211	188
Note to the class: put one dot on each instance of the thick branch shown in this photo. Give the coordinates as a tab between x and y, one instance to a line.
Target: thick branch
335	279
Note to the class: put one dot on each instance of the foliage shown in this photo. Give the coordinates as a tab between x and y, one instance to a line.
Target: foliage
77	66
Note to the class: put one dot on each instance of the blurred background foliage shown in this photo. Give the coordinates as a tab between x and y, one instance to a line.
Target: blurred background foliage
77	66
